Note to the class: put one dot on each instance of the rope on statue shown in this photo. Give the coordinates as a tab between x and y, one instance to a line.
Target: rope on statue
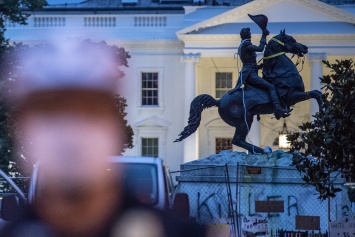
300	60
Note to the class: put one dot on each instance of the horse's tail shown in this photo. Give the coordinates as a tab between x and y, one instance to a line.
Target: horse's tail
200	103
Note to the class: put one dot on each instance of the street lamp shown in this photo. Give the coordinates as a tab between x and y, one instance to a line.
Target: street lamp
283	143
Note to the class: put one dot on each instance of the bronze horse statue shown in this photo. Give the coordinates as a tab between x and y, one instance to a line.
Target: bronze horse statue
237	109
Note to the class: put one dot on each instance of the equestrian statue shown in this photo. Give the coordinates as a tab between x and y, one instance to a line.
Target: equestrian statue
280	87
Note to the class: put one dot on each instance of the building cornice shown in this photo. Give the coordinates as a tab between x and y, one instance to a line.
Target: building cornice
226	45
235	37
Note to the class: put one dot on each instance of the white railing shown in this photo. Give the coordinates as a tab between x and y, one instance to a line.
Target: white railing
100	21
92	21
49	21
9	24
150	21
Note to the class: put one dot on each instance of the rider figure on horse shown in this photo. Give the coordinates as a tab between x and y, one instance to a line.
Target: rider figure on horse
249	73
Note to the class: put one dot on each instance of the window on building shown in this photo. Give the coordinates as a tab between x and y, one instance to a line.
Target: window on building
224	81
150	147
223	144
150	88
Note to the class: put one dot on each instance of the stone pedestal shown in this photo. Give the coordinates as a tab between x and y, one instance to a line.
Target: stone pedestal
224	188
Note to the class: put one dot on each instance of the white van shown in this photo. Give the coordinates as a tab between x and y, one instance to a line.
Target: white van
145	178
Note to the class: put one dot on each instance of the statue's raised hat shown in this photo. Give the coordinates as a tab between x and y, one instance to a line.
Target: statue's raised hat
260	20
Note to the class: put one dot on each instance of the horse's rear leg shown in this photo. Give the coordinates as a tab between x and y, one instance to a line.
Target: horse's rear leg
241	133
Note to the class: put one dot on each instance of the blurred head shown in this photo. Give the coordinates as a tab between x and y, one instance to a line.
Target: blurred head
67	123
72	134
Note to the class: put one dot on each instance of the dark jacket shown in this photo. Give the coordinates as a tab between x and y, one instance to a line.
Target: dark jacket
247	53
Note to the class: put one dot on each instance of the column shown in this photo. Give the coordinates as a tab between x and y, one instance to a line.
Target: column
315	61
190	143
254	133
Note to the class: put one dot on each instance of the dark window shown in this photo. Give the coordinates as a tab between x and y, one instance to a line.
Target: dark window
150	88
223	144
141	182
223	83
150	147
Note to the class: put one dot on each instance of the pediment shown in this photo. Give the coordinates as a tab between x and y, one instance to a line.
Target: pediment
278	12
151	122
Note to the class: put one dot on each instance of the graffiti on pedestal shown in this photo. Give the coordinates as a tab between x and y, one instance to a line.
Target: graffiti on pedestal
210	207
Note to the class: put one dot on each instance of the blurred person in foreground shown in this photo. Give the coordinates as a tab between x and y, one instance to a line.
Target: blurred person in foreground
65	97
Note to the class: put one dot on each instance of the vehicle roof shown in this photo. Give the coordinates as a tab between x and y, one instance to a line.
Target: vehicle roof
136	159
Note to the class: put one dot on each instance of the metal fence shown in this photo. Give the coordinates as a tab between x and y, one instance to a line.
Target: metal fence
236	194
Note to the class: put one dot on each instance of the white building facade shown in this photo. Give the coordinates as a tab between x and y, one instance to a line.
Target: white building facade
178	52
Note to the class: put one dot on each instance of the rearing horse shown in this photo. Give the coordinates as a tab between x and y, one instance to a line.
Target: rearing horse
238	109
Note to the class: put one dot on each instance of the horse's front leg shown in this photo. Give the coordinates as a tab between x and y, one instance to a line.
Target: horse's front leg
317	95
298	96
